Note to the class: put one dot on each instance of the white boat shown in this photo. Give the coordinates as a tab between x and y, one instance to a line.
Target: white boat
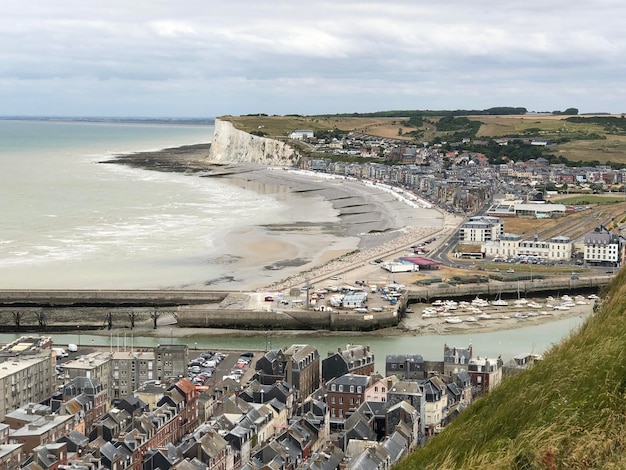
454	320
535	305
581	302
520	315
484	316
478	302
428	315
499	303
593	297
560	307
471	319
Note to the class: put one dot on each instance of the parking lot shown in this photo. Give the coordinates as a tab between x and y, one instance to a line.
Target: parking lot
208	368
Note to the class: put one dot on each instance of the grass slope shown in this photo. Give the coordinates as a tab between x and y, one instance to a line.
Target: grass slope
587	140
569	411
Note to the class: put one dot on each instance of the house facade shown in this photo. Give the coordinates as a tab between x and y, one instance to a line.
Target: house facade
602	248
345	394
480	229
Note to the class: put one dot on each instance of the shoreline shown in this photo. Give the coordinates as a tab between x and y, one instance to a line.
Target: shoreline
327	219
396	230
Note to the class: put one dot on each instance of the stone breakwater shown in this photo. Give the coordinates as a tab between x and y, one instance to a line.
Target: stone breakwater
231	145
408	237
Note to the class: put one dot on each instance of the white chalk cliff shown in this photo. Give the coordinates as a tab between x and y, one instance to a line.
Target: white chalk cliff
231	145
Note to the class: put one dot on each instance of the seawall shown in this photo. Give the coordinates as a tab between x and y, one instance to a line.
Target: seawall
231	145
289	320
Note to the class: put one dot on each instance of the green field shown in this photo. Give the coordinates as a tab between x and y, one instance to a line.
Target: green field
586	199
584	141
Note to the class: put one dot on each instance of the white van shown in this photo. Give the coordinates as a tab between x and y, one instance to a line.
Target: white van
72	347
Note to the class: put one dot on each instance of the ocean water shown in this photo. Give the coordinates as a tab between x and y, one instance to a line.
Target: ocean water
69	222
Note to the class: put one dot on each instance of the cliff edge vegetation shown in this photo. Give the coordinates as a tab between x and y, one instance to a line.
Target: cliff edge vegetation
568	411
586	139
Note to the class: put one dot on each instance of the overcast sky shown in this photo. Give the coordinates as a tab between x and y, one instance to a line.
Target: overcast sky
192	58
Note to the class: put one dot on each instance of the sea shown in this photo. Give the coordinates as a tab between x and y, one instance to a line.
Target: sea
68	221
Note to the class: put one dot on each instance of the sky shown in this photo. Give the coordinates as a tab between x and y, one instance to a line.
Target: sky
206	58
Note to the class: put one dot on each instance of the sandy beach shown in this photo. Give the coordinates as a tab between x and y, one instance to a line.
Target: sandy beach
330	223
350	223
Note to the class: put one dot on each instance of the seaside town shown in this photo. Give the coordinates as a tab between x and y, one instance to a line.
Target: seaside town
464	182
172	407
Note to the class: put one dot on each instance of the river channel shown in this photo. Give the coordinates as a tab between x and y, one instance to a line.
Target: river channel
507	343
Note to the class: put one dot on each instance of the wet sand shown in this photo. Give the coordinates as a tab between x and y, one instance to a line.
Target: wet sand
367	223
330	223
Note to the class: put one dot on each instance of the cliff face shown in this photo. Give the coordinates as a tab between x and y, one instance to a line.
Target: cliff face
231	145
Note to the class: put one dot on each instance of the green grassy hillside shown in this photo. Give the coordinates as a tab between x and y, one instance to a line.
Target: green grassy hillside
589	139
568	412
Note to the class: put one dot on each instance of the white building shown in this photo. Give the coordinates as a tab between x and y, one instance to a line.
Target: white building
602	248
301	134
480	229
511	245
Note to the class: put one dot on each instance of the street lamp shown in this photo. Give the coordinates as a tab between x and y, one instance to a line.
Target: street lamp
78	329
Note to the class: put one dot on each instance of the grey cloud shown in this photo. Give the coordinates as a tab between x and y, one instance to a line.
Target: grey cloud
347	55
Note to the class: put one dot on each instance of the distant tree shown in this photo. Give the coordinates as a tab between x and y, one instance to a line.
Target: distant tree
571	111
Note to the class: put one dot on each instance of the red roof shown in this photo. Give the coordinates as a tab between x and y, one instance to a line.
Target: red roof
419	260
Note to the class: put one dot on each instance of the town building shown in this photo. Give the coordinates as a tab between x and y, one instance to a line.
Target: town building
171	361
602	248
512	245
455	359
129	369
436	404
486	374
11	455
354	359
302	134
27	373
405	366
84	397
377	391
298	365
480	229
45	430
344	395
94	365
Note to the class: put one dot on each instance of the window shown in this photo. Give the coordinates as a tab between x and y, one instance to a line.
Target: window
351	388
375	389
333	387
341	388
332	400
